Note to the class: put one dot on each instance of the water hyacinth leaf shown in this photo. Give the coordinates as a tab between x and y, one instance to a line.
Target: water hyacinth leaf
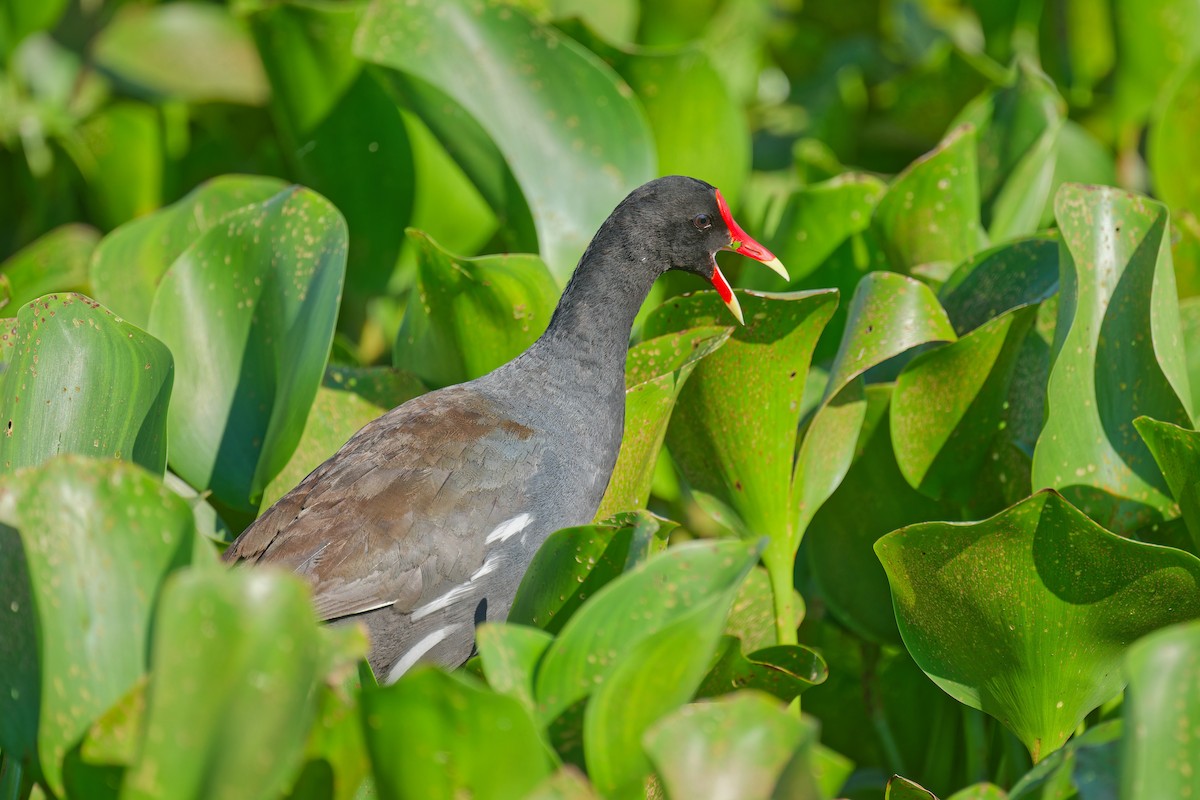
1064	773
204	730
949	405
928	221
574	563
187	51
462	739
1153	42
783	671
1017	133
733	430
467	316
122	159
1117	355
340	124
249	310
347	399
18	20
1174	127
128	263
1159	749
1186	255
980	791
55	262
752	617
655	371
1081	158
579	123
659	674
900	788
1027	615
635	606
1177	452
566	784
79	379
734	748
1017	273
510	655
78	652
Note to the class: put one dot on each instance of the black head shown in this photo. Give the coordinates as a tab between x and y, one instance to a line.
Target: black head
680	223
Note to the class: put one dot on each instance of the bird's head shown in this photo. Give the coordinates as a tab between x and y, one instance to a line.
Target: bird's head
692	222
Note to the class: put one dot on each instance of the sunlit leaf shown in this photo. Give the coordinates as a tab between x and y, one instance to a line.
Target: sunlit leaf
1174	127
57	262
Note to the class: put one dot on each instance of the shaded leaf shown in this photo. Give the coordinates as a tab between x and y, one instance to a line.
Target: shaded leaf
1175	126
752	617
76	636
56	262
79	379
1063	774
579	125
459	738
1153	41
1177	453
899	788
783	671
121	159
1117	355
249	310
1027	614
999	279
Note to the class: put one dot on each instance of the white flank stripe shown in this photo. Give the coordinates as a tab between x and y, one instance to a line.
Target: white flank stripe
438	603
488	566
415	652
509	528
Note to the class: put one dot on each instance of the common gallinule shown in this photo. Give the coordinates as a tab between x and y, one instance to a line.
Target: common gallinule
423	524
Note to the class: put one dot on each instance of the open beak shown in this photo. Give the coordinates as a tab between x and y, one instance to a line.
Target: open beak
741	242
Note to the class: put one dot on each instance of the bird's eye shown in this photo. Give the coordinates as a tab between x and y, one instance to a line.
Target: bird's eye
702	222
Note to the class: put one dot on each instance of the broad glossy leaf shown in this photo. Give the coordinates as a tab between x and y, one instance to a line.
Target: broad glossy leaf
1081	158
563	121
122	162
1186	255
575	563
1026	615
128	263
1068	773
980	791
337	766
467	316
432	736
1117	355
1177	453
734	748
783	670
56	262
655	371
338	411
248	310
1000	279
236	657
85	546
636	606
928	220
900	788
340	125
1018	127
1153	41
510	654
1174	127
949	405
79	379
189	51
1160	749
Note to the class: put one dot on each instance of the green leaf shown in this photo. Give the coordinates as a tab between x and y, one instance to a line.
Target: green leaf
899	788
1018	127
337	413
752	618
1026	615
1174	127
980	791
1066	773
1117	355
56	262
566	784
949	403
85	545
1153	41
79	379
655	371
433	736
189	51
1177	453
510	654
734	747
1159	749
248	310
236	655
18	20
129	263
339	125
467	316
999	279
928	221
577	118
781	670
575	563
121	158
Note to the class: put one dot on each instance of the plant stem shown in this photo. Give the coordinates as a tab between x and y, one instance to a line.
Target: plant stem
779	572
976	744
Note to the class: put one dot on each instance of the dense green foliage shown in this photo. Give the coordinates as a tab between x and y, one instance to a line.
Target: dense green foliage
940	492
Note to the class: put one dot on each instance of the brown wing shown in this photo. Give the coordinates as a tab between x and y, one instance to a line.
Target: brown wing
402	510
